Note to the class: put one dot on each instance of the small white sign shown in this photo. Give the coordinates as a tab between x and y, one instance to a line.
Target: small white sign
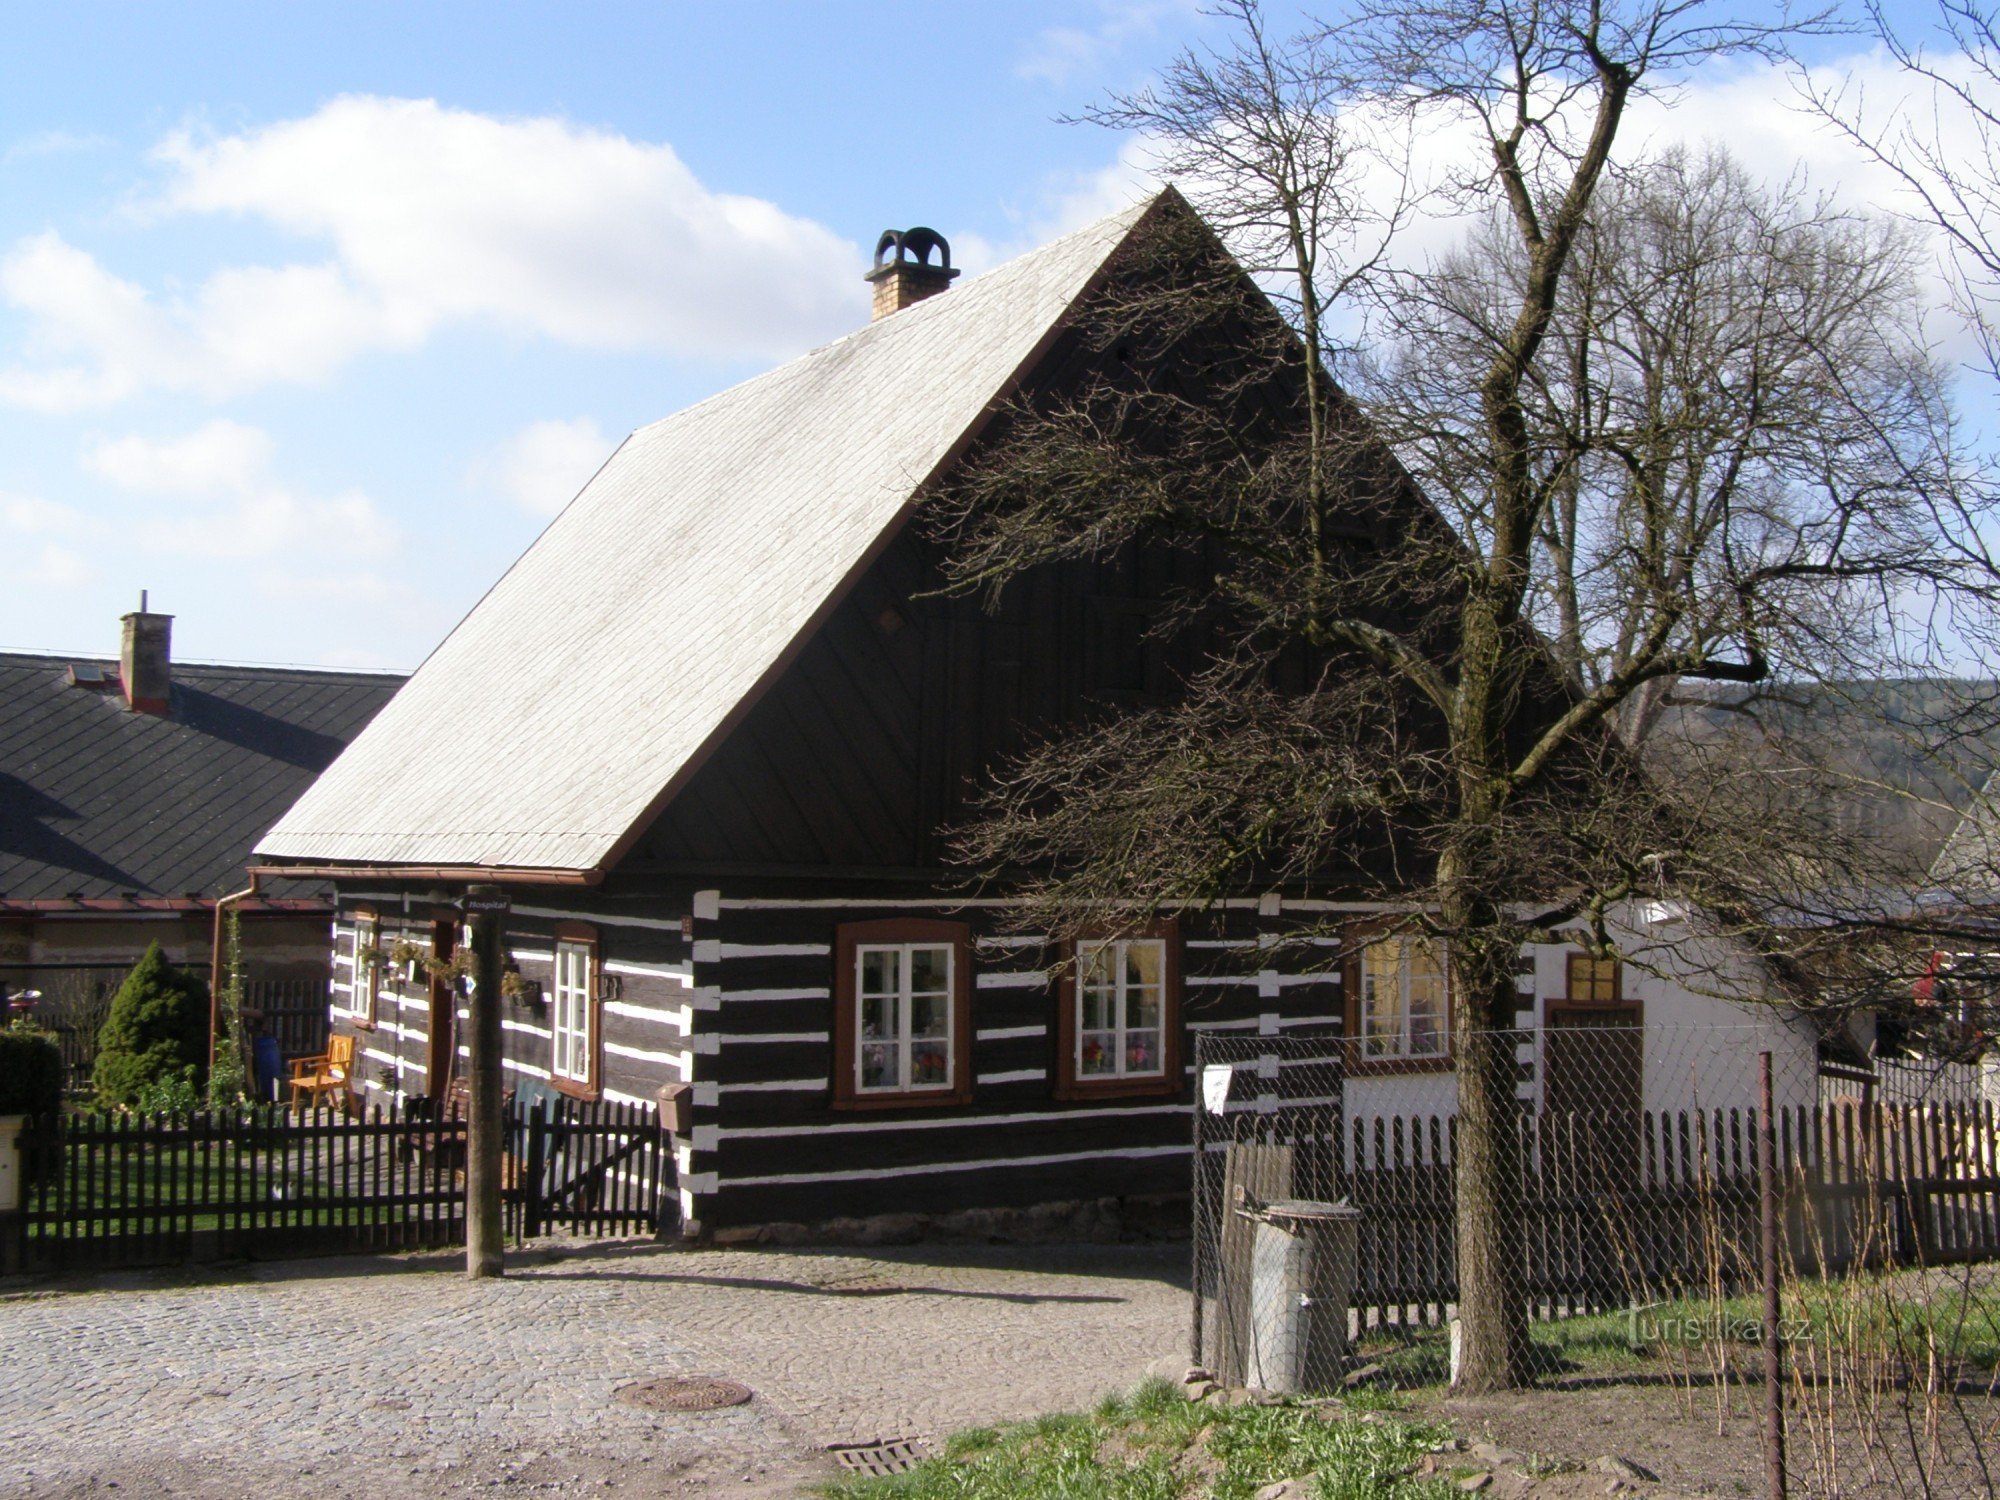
1215	1086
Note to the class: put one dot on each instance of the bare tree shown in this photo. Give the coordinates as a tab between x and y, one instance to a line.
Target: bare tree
1943	143
1651	425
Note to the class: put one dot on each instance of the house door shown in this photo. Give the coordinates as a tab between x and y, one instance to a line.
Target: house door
1593	1077
1593	1089
440	1065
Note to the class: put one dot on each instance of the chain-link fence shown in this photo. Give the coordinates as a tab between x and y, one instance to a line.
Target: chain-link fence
1615	1204
1623	1180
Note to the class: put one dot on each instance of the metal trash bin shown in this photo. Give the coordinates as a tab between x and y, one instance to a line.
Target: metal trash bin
1301	1279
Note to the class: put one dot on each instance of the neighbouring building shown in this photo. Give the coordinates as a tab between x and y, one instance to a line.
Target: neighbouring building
131	792
710	731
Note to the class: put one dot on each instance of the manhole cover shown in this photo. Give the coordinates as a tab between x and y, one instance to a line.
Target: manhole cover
895	1456
684	1393
859	1286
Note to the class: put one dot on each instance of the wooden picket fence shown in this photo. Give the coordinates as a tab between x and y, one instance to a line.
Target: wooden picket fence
263	1183
1619	1208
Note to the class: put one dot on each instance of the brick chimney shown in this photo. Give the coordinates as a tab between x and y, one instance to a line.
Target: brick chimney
909	276
146	660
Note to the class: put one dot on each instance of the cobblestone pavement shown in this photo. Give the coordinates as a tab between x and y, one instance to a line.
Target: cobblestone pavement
394	1376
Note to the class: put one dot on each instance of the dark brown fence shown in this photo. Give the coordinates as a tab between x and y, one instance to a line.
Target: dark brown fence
587	1169
262	1183
1608	1209
1617	1208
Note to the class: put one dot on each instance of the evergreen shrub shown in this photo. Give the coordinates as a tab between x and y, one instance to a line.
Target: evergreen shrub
157	1031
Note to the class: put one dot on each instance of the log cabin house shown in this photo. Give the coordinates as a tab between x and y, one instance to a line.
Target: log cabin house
709	730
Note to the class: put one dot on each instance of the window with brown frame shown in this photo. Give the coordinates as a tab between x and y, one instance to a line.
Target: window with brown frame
367	976
1398	1003
576	1044
1593	981
902	1031
1118	1009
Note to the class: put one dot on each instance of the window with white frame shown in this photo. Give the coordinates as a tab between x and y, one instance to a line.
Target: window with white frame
1121	993
368	962
1402	1000
903	1016
573	1017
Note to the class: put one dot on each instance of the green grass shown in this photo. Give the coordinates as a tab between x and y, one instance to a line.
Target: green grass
1156	1445
1902	1314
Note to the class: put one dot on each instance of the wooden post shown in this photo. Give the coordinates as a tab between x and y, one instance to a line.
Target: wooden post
1774	1371
538	1153
486	906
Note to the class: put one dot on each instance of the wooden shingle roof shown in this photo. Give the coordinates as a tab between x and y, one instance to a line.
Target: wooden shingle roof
621	647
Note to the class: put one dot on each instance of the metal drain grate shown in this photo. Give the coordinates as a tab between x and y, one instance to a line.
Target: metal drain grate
682	1393
892	1456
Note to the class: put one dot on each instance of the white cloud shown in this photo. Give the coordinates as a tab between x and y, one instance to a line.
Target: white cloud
1753	110
60	566
54	143
429	217
217	458
541	467
1068	201
241	511
1062	53
31	515
37	531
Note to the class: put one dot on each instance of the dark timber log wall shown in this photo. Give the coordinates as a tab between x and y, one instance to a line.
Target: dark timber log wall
640	947
775	1148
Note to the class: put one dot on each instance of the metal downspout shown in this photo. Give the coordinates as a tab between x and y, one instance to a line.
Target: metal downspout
215	962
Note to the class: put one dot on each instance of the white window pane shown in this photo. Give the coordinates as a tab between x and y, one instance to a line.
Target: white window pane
1142	1052
1098	964
878	1019
1144	959
879	1066
930	971
881	971
930	1016
930	1065
1382	998
1097	1053
1427	1018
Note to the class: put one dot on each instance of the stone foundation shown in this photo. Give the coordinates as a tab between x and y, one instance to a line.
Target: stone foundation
1090	1221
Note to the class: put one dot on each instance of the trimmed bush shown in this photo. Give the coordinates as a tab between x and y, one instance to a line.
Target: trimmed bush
158	1030
31	1073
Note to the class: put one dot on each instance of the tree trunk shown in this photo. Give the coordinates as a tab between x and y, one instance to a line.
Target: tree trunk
1484	948
1492	1262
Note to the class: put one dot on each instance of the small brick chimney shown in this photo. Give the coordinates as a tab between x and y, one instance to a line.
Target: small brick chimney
909	276
146	660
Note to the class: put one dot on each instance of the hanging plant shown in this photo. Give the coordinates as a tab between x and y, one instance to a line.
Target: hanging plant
451	970
407	956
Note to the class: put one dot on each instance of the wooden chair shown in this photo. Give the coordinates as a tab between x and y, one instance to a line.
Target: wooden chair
327	1073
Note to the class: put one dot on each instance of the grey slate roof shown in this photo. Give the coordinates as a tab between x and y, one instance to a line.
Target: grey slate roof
98	802
615	651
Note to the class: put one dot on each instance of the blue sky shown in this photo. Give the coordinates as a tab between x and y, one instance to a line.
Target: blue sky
311	315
